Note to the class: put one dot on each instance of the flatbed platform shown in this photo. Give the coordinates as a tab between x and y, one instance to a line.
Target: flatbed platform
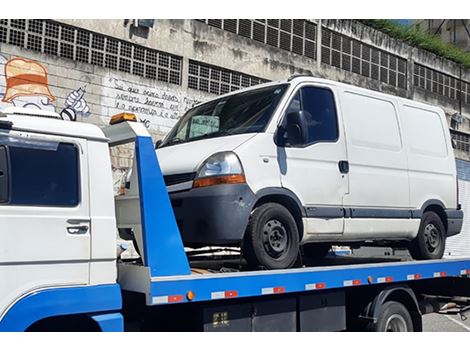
336	272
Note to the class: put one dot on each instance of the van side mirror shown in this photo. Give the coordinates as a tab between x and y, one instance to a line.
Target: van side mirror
454	143
4	175
297	130
158	143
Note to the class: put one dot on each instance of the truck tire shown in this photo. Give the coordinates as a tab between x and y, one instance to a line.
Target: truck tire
316	250
271	238
394	317
430	241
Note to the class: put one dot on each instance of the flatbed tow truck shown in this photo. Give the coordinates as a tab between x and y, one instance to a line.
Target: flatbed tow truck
167	288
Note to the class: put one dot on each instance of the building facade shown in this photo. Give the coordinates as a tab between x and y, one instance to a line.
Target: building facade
89	70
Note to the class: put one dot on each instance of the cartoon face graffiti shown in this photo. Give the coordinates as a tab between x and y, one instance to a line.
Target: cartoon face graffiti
24	84
27	85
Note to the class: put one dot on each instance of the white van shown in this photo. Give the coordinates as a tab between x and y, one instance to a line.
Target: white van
308	163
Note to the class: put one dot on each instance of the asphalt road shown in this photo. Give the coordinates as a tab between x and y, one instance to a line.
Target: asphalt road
445	323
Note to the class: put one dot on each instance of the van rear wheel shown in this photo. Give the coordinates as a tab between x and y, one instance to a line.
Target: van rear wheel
430	241
271	238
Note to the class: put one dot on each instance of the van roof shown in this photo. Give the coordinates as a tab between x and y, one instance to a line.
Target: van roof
54	126
305	78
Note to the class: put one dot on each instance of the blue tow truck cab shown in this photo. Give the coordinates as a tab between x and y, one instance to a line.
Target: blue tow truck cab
60	268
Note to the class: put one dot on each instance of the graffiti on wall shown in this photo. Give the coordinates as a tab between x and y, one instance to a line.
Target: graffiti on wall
24	83
75	104
158	108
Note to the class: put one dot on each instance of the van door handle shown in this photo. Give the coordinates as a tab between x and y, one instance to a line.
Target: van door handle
77	230
343	166
78	226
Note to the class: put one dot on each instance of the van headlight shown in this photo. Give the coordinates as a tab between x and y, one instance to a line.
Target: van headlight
220	168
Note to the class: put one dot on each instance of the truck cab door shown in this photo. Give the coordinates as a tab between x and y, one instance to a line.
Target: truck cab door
317	170
44	214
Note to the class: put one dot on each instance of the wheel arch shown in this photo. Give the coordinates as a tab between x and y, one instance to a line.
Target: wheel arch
66	323
437	207
286	198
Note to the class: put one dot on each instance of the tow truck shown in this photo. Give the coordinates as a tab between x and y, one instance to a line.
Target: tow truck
62	266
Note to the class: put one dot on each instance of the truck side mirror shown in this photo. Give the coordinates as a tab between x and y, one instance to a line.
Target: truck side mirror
4	175
454	143
158	143
297	130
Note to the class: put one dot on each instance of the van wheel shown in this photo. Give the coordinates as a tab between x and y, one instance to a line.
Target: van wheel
316	250
271	238
430	242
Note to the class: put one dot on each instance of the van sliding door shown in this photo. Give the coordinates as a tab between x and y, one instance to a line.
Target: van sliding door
378	199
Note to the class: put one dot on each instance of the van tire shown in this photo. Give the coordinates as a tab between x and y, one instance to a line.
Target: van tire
316	250
430	241
271	238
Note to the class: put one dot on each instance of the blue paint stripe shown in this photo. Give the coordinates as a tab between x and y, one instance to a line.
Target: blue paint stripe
296	279
61	301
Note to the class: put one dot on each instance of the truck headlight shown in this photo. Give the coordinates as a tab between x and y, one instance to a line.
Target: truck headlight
220	168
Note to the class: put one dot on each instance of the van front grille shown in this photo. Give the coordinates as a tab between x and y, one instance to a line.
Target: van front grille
178	178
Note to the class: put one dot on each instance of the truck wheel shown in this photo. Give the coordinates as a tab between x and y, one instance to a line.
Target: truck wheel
394	317
316	250
430	241
271	238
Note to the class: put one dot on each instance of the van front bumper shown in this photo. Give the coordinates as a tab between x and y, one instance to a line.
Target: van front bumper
214	215
454	221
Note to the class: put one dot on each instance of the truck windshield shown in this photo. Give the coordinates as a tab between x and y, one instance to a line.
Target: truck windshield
245	112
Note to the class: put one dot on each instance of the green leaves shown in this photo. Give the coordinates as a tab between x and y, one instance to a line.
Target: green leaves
418	38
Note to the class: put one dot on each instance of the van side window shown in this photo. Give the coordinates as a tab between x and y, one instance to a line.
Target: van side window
43	176
319	108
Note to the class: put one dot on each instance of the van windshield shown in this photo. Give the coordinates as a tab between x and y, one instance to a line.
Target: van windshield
245	112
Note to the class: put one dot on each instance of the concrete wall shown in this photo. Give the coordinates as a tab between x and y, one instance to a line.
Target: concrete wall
105	92
89	93
93	93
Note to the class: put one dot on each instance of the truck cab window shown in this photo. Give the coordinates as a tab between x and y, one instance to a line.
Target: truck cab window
4	180
44	177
